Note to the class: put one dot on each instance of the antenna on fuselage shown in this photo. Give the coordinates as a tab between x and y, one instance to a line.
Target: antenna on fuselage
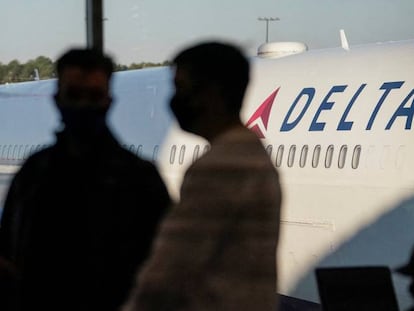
344	40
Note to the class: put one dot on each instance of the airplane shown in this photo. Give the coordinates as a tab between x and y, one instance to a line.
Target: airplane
336	123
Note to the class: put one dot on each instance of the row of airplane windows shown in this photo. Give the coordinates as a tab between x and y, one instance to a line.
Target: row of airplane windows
286	156
282	155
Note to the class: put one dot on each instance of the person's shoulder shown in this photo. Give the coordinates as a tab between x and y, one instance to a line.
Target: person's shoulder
38	158
34	165
131	159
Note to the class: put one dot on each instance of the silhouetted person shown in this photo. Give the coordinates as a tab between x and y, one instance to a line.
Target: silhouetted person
408	270
80	215
216	249
8	285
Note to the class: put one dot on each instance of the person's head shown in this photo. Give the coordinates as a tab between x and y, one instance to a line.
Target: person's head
210	83
83	90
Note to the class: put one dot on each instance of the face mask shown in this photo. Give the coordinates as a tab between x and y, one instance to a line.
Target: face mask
185	112
83	121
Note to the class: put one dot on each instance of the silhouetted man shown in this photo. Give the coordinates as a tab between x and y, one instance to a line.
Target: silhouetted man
80	215
216	249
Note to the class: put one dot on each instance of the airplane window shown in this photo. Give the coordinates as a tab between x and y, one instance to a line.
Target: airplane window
385	157
279	155
400	159
291	156
269	150
172	154
26	151
342	156
139	150
355	157
182	153
329	156
196	152
9	152
316	156
206	148
132	149
4	153
303	156
155	153
15	152
20	152
32	149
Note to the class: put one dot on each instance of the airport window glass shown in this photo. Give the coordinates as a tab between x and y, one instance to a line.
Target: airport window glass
182	154
316	156
143	33
342	156
303	156
329	156
356	156
291	155
279	155
172	154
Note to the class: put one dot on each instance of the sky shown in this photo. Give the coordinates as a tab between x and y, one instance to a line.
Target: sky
154	30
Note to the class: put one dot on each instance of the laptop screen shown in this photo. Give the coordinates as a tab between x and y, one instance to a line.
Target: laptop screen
356	288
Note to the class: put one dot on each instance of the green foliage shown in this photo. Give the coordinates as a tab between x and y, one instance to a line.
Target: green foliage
14	71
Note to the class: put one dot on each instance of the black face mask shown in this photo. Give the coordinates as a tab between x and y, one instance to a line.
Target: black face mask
83	121
185	112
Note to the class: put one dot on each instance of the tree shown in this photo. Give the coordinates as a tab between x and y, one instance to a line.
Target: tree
45	67
27	72
2	73
13	70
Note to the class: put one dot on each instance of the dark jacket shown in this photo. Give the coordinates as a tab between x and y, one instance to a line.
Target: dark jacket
78	221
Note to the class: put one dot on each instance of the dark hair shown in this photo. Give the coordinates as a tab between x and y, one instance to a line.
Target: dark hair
218	63
87	59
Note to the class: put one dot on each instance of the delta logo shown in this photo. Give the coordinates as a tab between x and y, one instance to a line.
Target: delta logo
259	121
342	100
